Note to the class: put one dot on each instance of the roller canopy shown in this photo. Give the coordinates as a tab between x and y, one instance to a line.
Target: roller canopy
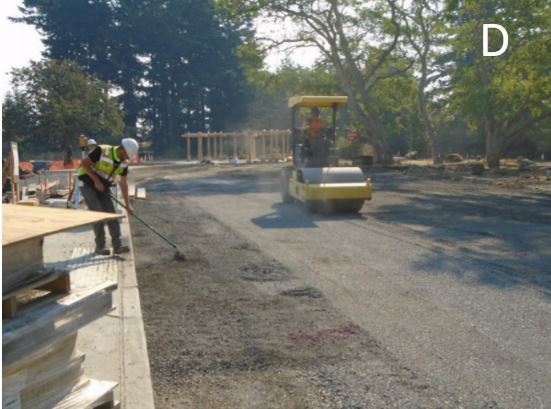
309	101
332	175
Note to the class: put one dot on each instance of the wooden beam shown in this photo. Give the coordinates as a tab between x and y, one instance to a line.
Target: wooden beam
200	147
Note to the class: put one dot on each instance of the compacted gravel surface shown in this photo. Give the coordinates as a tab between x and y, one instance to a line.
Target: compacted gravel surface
276	309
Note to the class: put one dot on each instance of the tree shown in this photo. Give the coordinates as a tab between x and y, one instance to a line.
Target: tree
268	108
425	33
359	39
508	95
17	121
193	79
174	60
64	102
99	36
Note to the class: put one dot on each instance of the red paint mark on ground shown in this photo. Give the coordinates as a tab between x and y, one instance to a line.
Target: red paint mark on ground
309	338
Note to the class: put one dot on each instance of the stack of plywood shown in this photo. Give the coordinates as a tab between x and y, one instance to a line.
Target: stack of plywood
41	368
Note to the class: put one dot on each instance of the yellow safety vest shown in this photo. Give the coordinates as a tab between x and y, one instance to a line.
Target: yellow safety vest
105	166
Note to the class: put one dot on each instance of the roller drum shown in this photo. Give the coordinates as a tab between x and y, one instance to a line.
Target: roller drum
331	175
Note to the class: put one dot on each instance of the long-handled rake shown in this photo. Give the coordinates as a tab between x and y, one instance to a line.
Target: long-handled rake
179	254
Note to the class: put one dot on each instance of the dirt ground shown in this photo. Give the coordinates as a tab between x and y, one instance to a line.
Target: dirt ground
219	333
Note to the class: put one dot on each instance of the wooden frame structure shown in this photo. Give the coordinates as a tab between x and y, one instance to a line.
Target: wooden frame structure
264	145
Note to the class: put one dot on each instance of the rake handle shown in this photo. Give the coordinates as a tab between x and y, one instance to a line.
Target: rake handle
146	224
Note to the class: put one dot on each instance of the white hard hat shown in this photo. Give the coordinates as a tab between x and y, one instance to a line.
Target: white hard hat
130	146
91	142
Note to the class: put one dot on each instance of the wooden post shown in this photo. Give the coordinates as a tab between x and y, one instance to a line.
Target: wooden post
235	146
200	146
253	141
13	160
263	138
188	148
209	141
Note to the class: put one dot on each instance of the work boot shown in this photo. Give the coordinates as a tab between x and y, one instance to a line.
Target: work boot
121	249
101	251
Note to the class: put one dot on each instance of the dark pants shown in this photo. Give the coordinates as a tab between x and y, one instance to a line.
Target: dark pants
101	202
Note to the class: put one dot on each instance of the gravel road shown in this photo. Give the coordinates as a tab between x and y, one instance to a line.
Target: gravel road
436	295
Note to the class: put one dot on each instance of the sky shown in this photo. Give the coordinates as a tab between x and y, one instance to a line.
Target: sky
20	43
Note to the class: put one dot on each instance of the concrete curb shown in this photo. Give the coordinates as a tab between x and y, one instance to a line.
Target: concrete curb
135	385
115	345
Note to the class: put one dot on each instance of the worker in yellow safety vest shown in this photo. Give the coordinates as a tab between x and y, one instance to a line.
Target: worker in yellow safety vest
96	175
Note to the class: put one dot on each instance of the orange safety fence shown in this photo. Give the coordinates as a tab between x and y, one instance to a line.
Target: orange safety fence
26	166
59	165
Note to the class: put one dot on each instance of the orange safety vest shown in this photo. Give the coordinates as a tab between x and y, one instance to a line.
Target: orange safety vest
315	125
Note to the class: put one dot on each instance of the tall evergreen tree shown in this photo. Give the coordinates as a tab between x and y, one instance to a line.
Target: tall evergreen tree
174	60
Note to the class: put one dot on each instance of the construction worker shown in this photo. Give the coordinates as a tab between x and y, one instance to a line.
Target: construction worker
314	144
96	176
314	124
91	144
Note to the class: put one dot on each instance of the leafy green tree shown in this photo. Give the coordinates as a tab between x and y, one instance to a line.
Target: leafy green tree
426	34
504	96
397	104
99	35
64	102
17	121
359	39
268	108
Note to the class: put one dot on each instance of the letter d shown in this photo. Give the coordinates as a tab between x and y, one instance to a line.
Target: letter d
504	46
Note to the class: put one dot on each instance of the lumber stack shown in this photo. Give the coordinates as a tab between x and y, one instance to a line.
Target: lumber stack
41	367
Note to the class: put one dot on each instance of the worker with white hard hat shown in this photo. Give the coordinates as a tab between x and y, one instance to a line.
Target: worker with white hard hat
96	175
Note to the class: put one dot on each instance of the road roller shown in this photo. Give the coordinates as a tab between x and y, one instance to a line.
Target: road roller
315	178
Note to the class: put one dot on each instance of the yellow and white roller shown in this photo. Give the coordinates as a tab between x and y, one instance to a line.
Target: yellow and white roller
330	175
315	179
329	189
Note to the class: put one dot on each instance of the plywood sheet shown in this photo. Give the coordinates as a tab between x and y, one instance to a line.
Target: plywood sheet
24	222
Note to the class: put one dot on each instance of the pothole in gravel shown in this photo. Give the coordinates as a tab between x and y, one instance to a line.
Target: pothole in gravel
266	272
309	292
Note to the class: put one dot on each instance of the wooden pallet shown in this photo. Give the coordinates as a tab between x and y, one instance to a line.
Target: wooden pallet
50	281
93	394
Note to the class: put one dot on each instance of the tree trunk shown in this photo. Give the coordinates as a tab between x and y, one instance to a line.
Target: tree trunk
131	109
494	146
429	128
68	153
